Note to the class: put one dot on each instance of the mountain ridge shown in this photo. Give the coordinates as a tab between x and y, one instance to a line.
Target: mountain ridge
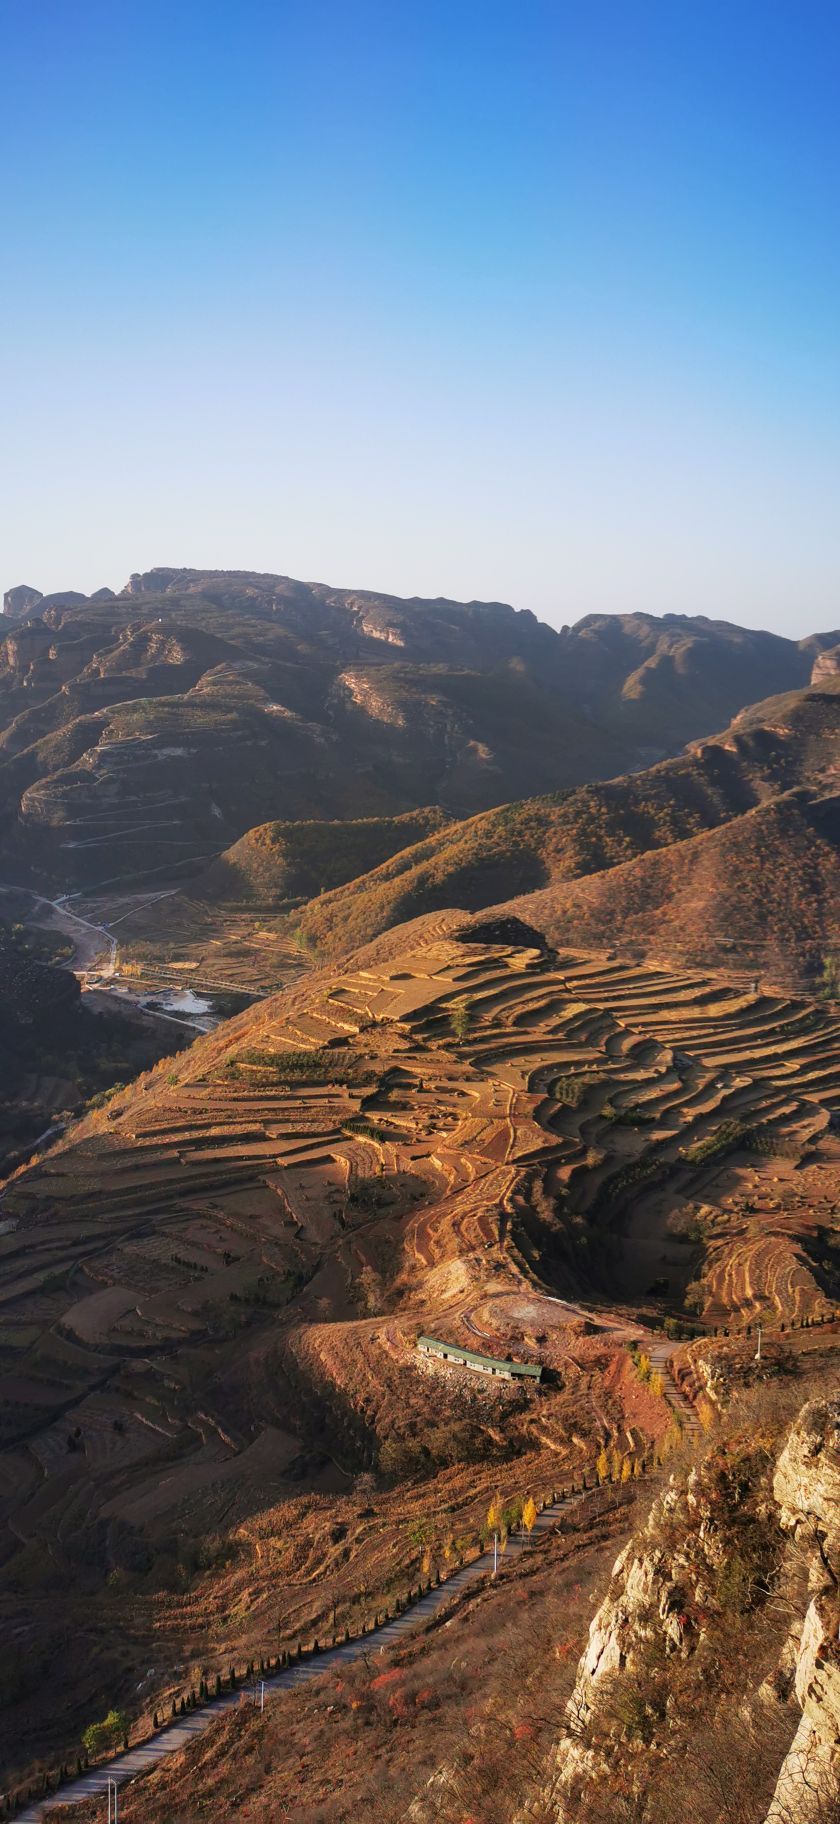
141	734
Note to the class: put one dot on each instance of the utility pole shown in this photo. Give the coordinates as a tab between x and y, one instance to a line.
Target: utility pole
495	1552
758	1350
262	1695
112	1786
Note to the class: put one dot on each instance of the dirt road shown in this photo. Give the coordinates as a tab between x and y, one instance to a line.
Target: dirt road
90	942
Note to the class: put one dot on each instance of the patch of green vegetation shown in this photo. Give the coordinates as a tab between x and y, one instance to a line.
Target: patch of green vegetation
104	1096
630	1177
360	1127
100	1738
828	984
767	1141
304	942
633	1116
460	1019
571	1091
723	1140
267	1067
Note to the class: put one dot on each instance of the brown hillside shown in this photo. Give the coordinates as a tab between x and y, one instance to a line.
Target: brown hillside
762	892
544	843
212	1288
283	861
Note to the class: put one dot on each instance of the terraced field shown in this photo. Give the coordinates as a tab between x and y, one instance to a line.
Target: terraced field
212	1287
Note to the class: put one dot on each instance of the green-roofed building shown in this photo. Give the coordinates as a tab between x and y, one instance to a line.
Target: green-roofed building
480	1364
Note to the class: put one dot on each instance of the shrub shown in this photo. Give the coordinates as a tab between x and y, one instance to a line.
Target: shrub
99	1738
267	1067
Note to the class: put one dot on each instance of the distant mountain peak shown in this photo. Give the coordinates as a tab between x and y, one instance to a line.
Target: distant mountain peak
20	601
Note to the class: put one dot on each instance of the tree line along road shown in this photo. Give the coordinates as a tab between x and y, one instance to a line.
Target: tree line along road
178	1734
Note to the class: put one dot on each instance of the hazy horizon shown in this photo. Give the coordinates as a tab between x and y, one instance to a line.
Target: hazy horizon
534	304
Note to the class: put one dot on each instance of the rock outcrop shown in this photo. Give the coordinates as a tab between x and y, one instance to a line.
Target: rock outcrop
807	1489
826	666
669	1651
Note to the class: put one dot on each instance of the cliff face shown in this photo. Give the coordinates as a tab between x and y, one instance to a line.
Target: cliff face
693	1660
268	698
807	1489
826	665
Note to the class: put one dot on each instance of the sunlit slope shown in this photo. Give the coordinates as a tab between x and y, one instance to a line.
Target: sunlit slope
762	893
278	862
783	754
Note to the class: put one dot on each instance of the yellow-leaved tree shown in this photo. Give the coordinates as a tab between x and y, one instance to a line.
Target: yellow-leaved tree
529	1515
602	1467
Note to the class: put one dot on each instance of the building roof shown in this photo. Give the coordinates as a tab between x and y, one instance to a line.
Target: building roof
530	1370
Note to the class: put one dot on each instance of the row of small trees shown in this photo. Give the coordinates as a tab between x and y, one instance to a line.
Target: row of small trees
502	1521
106	1737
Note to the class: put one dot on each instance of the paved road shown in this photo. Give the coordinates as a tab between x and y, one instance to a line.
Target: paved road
659	1355
138	1760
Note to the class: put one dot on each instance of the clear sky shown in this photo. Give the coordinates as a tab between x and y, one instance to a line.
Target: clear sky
484	298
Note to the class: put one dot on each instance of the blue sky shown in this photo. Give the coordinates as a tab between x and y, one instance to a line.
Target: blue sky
519	301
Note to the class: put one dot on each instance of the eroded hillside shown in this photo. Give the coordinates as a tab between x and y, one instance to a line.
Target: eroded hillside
142	734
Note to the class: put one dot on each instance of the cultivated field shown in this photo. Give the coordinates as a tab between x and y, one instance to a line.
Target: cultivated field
218	1435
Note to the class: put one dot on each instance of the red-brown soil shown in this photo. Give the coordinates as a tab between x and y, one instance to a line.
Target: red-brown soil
218	1435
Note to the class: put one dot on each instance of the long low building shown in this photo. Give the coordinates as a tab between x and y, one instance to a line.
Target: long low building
480	1364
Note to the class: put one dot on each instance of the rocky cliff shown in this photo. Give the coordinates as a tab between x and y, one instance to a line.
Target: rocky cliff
226	700
699	1660
807	1488
826	666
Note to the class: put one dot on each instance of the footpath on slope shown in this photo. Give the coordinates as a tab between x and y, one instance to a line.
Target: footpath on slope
177	1735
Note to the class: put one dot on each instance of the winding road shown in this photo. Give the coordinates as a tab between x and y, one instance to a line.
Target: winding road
89	940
